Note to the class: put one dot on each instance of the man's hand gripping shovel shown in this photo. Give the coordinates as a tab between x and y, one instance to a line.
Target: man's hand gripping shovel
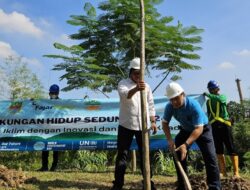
183	173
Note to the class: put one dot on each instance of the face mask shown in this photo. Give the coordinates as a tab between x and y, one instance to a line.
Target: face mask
53	96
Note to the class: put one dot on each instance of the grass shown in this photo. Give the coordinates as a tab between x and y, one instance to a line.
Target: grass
74	180
91	181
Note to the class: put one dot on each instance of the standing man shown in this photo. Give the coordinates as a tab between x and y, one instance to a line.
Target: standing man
130	122
222	127
194	128
53	94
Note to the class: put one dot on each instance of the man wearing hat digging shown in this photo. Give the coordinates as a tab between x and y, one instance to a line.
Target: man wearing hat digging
194	127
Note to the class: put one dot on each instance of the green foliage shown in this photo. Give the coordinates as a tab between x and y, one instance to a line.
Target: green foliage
236	111
20	82
246	104
241	132
164	163
246	161
195	162
25	160
103	161
85	160
94	161
112	38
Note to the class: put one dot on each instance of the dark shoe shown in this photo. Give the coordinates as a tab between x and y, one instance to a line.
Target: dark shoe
42	169
116	187
53	168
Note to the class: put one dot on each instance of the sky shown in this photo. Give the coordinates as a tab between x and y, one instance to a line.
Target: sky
28	28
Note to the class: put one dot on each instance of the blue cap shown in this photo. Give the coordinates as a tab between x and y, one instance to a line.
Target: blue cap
212	84
54	88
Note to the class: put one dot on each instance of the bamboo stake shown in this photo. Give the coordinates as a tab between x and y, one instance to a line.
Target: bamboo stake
133	160
145	136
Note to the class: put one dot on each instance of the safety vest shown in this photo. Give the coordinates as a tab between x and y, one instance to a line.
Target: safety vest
216	117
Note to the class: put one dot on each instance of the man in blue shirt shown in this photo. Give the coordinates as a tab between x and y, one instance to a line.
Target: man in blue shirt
194	128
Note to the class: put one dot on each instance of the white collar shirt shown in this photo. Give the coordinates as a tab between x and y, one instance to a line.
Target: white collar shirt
130	109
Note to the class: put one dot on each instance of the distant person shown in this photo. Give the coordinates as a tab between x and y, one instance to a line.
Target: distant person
130	123
194	127
222	127
54	94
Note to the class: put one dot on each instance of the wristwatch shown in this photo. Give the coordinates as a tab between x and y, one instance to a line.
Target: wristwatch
187	145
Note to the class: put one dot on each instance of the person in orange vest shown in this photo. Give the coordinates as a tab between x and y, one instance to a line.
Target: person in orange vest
222	127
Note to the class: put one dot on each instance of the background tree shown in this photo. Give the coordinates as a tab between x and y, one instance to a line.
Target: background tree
110	40
241	130
18	82
236	111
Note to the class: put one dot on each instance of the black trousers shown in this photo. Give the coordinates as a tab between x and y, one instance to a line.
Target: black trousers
206	144
223	136
124	140
45	159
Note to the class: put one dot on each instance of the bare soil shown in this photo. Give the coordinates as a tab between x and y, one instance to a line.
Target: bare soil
198	182
11	178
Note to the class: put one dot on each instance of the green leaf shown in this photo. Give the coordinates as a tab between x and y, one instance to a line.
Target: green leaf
105	44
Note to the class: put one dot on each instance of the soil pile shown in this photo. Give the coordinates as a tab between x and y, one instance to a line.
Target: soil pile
11	178
198	182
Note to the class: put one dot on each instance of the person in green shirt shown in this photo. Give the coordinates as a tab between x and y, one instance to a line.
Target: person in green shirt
221	126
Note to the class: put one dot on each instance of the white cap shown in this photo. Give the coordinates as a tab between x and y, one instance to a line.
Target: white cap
173	89
135	63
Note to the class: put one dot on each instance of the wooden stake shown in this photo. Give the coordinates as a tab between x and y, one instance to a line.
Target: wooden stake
145	136
133	160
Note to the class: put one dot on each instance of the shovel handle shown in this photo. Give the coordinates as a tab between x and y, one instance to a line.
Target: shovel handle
183	173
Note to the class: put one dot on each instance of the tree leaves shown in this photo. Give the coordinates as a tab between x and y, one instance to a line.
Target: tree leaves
111	39
21	83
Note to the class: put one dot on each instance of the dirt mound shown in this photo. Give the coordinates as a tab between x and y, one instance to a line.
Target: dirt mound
11	178
198	182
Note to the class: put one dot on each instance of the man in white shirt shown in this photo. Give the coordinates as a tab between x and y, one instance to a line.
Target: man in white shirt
130	123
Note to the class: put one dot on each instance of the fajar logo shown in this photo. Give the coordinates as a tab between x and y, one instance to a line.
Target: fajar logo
41	107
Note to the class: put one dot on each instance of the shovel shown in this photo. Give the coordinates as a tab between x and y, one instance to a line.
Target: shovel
183	173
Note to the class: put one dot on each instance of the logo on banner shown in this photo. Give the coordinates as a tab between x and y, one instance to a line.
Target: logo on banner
39	146
41	107
92	105
15	106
